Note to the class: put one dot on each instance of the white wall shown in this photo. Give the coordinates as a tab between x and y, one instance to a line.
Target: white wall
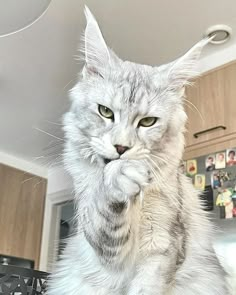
58	180
24	165
218	58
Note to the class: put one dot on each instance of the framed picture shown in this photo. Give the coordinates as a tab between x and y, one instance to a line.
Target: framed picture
231	157
200	181
218	178
215	180
210	162
224	201
220	160
191	167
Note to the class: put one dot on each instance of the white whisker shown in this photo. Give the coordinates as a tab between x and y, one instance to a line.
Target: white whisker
159	158
49	134
193	105
54	123
157	177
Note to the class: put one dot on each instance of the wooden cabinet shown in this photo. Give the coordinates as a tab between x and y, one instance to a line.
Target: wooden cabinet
229	74
211	110
22	197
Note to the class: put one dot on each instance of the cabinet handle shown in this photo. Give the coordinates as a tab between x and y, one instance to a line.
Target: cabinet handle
196	135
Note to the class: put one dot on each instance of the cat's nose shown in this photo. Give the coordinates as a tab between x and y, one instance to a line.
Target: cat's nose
121	149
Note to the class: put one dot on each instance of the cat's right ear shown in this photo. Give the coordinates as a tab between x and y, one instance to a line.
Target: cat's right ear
184	69
96	53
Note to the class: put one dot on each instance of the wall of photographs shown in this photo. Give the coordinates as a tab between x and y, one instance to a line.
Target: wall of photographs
217	171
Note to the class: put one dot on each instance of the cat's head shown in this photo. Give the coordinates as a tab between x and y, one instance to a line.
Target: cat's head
127	110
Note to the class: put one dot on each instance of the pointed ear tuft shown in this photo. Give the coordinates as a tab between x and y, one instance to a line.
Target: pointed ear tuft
95	49
185	68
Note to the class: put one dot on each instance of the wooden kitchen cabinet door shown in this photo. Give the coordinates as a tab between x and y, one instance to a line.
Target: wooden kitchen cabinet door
206	119
22	197
228	73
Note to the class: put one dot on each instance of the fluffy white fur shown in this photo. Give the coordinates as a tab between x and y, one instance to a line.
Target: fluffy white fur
141	226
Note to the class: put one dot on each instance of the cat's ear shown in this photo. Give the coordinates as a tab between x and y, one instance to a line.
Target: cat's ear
96	52
185	68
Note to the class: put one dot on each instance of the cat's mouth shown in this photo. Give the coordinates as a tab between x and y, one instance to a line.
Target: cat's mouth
106	161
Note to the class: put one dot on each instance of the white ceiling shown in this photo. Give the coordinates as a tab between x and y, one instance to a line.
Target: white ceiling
37	65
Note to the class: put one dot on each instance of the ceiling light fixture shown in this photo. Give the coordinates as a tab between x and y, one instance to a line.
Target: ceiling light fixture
16	16
222	34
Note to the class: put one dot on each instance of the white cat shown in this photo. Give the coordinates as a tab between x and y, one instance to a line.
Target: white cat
141	226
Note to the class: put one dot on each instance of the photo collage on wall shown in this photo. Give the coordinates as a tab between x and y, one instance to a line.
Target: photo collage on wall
223	179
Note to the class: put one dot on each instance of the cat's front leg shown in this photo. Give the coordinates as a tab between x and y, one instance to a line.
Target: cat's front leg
113	227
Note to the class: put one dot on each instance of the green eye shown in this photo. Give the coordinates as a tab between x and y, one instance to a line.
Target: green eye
147	122
105	112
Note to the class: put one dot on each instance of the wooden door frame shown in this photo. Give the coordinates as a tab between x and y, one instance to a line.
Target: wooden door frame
51	227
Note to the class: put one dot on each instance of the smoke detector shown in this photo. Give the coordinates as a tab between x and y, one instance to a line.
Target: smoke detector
220	34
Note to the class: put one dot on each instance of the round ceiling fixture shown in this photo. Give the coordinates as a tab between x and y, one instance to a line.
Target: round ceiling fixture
16	15
220	34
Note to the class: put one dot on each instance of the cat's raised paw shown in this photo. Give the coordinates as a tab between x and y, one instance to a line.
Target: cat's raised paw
124	179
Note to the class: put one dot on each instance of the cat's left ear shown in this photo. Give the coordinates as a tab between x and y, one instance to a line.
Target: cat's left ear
97	55
184	69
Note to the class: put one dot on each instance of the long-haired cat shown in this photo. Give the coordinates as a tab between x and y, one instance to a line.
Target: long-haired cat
141	228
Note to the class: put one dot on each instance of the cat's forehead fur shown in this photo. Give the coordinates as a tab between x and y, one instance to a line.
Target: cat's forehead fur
134	82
